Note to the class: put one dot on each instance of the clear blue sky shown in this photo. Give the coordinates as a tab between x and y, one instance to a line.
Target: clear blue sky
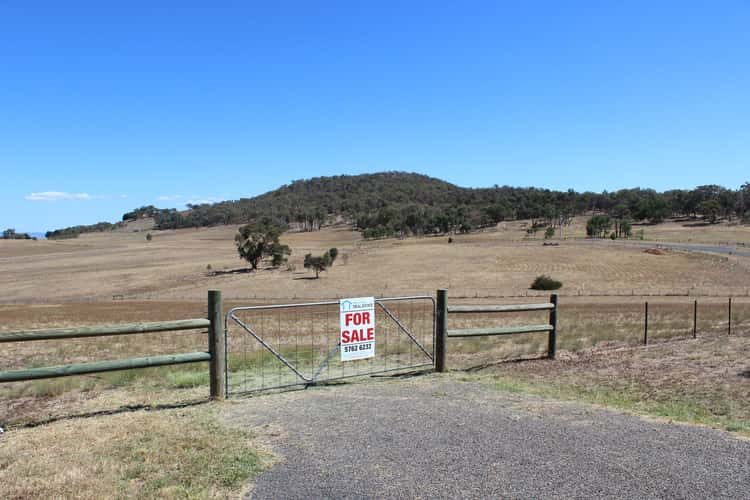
105	108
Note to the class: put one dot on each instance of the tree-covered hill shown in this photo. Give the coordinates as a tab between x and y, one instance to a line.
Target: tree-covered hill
399	203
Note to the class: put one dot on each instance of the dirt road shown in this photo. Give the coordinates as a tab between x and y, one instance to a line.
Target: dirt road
434	436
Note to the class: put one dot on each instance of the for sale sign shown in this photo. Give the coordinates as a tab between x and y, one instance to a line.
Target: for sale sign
357	318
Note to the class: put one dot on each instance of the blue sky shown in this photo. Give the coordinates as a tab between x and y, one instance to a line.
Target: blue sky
105	108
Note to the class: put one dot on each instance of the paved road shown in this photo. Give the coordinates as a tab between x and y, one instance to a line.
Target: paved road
723	249
438	437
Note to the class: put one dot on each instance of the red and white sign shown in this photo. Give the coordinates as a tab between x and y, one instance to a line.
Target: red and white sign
357	317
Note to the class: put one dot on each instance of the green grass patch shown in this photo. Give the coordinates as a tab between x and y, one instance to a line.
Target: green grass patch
187	379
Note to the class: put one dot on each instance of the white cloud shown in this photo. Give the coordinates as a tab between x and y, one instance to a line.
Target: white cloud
170	197
58	195
201	201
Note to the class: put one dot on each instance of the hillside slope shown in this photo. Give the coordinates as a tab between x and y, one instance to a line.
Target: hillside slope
401	203
385	203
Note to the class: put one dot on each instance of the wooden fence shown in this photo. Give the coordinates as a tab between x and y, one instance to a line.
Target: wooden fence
214	355
442	332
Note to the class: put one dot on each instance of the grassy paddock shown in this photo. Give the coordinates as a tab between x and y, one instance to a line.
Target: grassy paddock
97	267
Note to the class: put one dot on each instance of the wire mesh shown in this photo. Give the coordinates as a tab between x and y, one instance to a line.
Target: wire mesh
286	345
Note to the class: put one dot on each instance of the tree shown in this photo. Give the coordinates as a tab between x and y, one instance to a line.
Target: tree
563	219
623	228
710	210
11	234
549	233
260	239
743	202
279	254
653	208
318	263
322	262
622	222
598	226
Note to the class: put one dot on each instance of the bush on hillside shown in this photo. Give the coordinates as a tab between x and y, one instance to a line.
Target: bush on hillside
544	282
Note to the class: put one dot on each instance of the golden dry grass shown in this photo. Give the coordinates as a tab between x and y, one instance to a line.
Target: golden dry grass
179	453
173	266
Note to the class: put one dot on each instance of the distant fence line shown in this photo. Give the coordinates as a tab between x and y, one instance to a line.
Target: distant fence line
496	293
456	293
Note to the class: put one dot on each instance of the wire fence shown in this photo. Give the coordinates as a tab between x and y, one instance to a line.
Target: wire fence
308	338
270	347
604	324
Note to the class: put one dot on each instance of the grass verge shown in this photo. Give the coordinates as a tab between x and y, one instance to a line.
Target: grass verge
183	453
679	408
702	382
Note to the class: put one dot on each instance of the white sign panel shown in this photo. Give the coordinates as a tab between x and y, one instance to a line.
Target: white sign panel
357	317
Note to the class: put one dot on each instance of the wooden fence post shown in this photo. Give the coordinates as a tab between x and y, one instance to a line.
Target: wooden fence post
552	339
695	319
645	327
729	322
216	338
441	330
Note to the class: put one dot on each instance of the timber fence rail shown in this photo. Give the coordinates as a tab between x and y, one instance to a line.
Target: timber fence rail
443	333
214	354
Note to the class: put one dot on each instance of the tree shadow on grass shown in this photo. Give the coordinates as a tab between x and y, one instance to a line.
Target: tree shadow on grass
521	359
306	278
745	374
113	411
239	270
698	224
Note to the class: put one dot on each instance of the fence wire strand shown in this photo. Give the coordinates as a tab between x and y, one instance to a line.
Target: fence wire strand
287	329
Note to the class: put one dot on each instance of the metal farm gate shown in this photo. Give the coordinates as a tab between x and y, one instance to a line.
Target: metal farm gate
286	345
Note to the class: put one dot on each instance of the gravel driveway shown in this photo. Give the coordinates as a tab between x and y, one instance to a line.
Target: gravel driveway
435	436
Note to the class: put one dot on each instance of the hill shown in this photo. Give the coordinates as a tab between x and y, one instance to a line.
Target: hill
401	203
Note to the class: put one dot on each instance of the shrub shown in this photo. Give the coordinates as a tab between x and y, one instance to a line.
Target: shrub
544	282
333	253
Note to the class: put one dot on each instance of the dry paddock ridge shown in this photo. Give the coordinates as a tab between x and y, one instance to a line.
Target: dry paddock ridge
440	437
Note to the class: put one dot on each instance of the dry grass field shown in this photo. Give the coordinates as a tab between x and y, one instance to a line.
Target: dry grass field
72	283
175	266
